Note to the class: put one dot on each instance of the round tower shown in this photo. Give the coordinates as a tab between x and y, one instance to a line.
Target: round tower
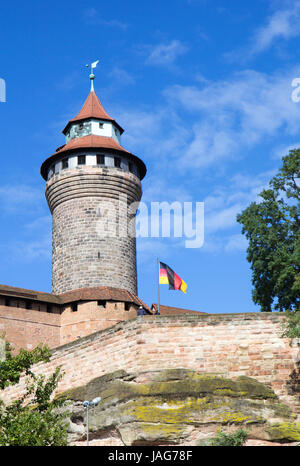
91	182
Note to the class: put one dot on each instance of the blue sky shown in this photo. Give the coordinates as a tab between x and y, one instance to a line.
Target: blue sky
203	90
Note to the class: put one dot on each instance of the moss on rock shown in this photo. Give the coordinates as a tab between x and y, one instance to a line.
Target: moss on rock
167	405
284	432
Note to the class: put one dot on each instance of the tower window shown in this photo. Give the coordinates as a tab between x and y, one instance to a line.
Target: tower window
81	160
7	302
74	307
101	125
101	303
28	305
80	126
117	162
130	166
127	306
65	163
49	308
100	159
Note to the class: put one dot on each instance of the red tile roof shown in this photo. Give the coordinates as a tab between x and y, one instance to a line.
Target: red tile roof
170	310
92	108
90	142
104	293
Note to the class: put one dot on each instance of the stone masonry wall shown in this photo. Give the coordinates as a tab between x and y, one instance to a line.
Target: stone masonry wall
229	345
81	200
26	328
90	318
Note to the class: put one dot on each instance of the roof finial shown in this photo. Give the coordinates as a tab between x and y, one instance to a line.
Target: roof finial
92	76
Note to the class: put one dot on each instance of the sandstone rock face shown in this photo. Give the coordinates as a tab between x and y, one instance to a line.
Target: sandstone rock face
178	407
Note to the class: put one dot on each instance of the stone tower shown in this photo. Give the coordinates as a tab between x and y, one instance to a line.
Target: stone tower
90	182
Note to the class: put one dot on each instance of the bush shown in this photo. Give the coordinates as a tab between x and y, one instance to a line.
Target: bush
237	439
291	325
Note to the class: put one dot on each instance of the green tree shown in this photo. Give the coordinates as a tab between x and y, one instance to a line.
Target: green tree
36	419
14	365
272	229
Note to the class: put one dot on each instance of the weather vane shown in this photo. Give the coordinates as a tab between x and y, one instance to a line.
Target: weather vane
92	76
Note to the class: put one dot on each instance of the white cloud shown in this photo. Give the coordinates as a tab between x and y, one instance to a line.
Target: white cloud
195	127
222	207
236	243
92	16
283	24
234	115
18	197
222	219
166	54
121	76
29	250
284	150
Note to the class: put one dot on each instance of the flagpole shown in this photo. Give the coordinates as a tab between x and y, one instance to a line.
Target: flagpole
158	305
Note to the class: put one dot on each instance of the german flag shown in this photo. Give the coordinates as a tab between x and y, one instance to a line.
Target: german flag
167	276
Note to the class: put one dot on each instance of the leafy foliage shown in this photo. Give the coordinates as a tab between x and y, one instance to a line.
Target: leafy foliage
13	366
237	439
291	325
273	230
35	419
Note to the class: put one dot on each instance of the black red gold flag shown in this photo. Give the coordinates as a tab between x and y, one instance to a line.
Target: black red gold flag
167	276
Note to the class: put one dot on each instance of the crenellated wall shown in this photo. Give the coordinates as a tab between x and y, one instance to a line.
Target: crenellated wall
230	345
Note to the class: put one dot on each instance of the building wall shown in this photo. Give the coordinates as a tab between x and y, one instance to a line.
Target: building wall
81	200
26	328
90	318
230	345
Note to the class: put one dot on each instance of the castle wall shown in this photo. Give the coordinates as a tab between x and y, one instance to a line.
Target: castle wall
26	328
81	200
230	345
92	317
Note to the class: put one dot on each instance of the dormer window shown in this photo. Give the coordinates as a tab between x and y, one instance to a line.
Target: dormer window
117	162
81	159
100	159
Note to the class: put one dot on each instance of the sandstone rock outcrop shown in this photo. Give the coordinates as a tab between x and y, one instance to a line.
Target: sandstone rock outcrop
178	407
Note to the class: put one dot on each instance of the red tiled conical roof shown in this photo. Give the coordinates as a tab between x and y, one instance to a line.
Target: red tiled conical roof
92	108
91	140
